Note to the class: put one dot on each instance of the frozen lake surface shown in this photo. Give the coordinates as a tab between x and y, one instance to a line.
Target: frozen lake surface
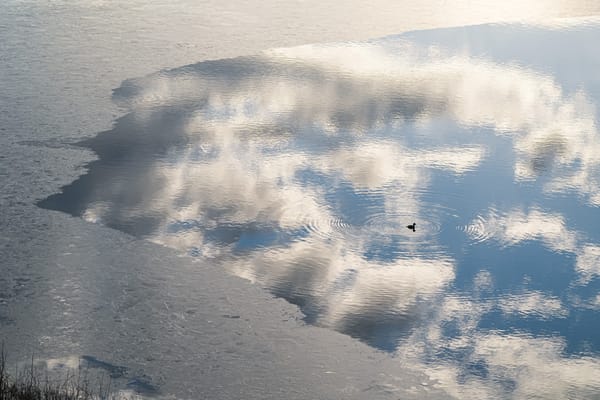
298	169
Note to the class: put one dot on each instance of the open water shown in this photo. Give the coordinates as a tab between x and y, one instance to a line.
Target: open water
301	168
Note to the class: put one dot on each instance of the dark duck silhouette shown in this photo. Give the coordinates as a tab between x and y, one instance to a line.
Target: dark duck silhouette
412	227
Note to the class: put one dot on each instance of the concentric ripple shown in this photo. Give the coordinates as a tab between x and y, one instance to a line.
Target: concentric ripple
478	229
397	224
376	227
328	228
482	228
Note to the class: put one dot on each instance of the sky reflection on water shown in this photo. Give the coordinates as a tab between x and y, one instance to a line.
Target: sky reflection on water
300	168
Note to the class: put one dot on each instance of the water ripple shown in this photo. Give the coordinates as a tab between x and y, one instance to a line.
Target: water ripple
478	230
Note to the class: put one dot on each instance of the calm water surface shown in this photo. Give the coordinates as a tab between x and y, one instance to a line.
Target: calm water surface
300	169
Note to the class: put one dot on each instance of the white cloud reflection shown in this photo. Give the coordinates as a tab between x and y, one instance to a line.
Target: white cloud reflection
533	304
249	132
588	263
516	226
496	364
342	283
553	132
536	368
366	86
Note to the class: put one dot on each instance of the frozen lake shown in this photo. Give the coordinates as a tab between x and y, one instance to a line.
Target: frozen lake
298	169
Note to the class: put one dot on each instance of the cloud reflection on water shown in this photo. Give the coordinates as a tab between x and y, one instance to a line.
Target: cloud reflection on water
299	169
550	229
478	364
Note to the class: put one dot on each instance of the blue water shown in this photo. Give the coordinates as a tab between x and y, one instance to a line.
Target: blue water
300	169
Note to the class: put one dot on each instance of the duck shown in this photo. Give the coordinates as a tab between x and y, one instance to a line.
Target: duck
412	227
